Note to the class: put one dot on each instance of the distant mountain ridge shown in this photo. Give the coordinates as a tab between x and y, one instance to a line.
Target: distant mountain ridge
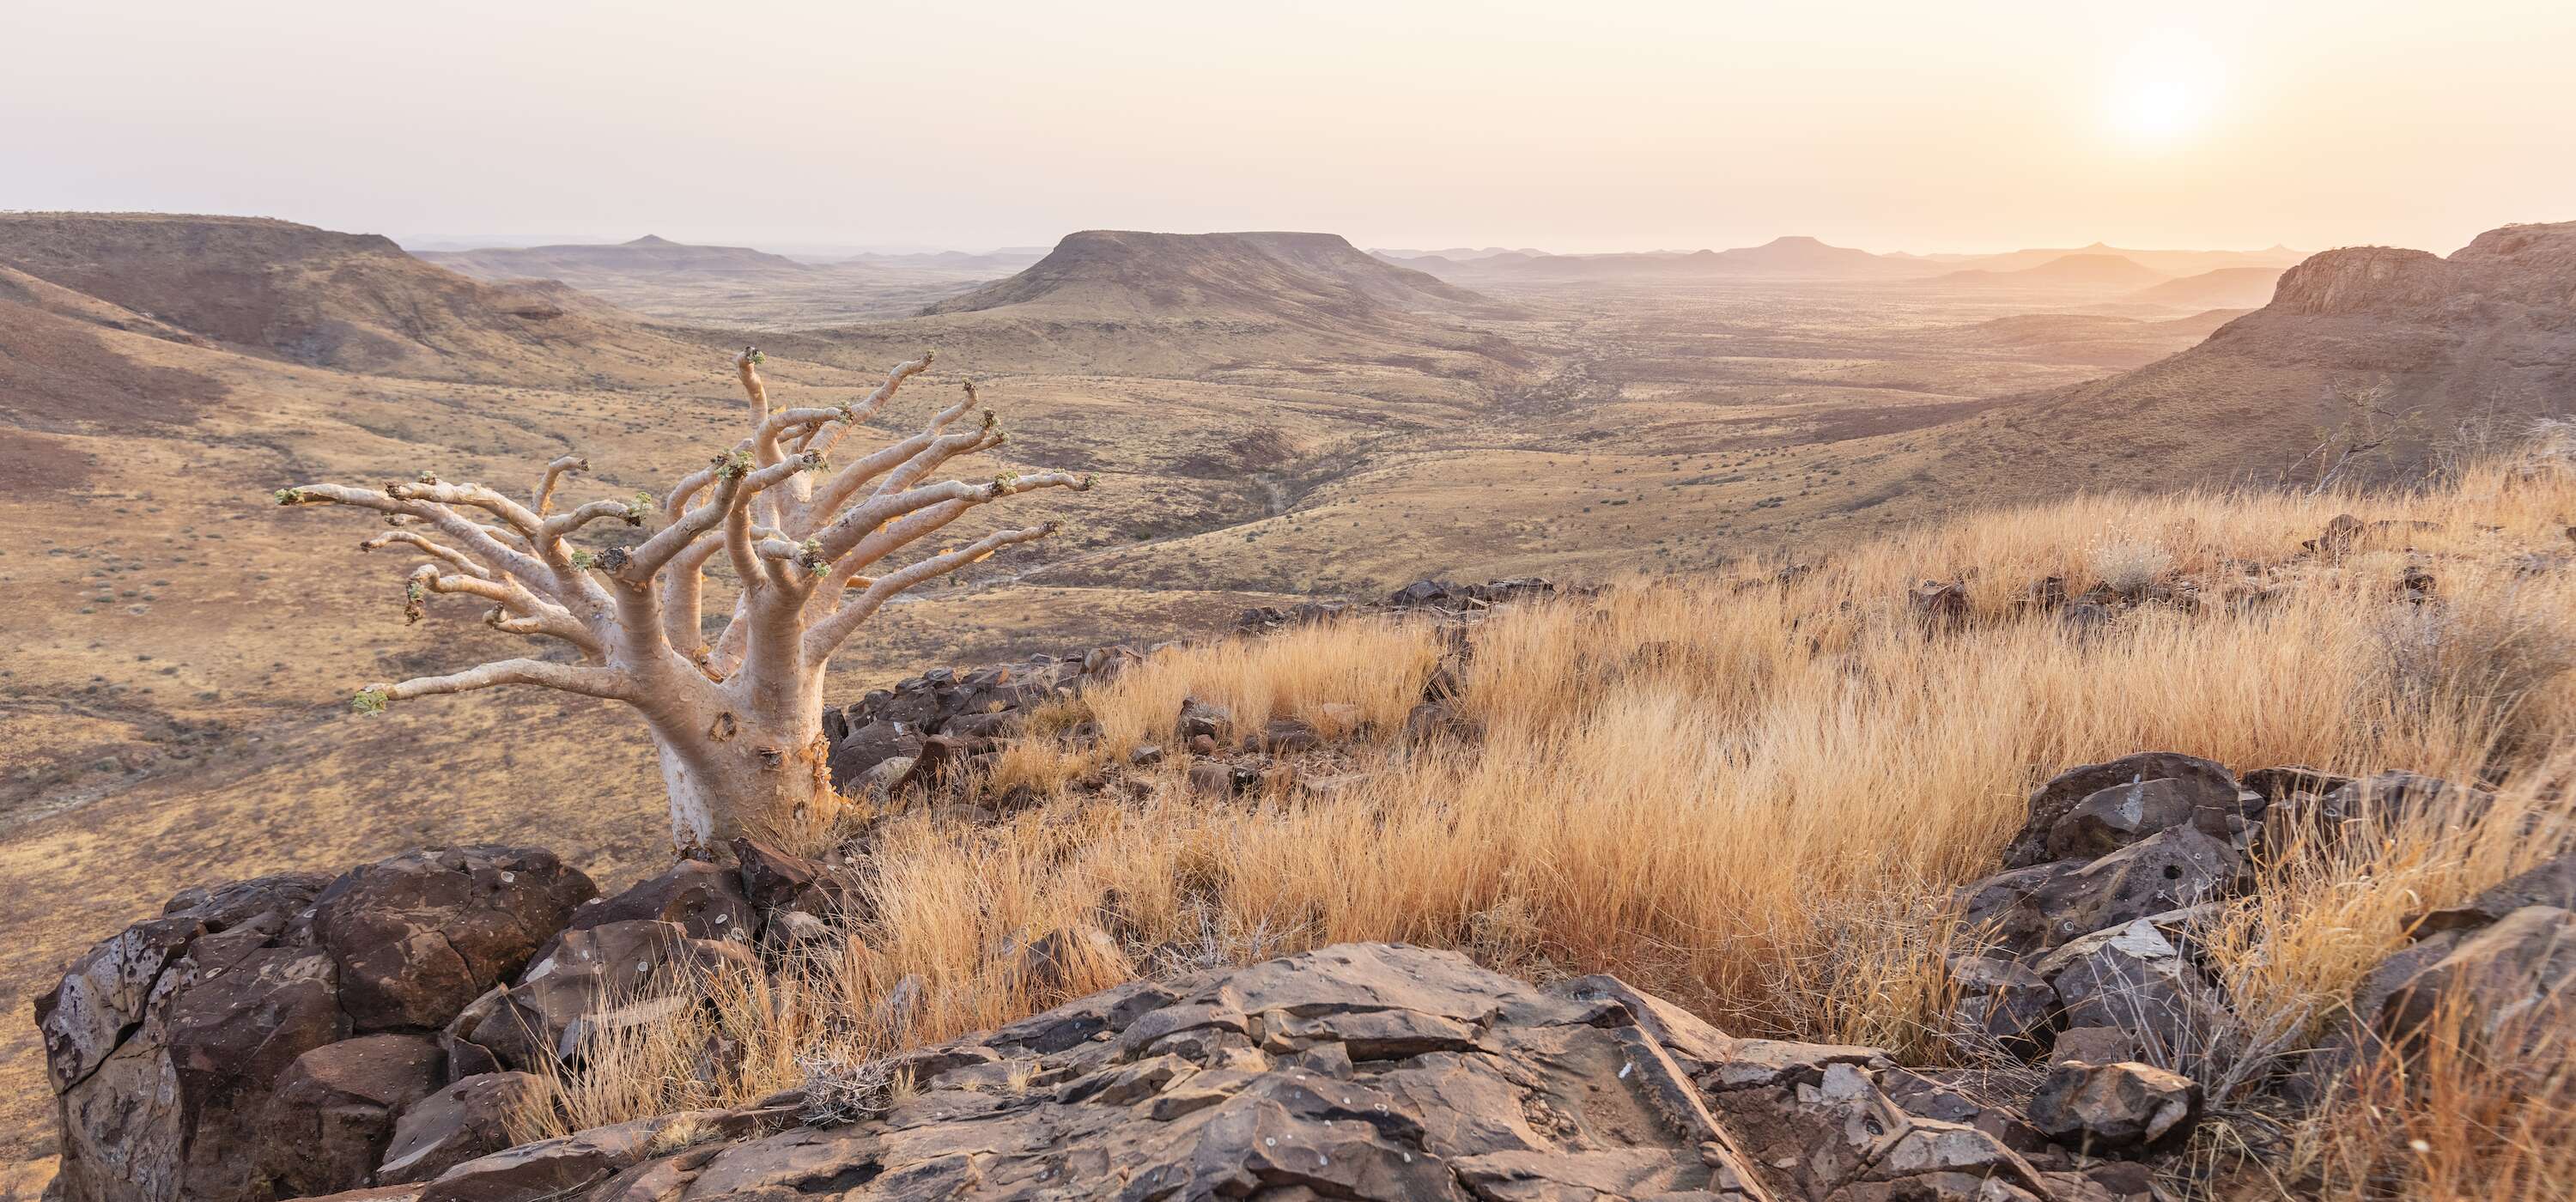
2165	262
2079	270
350	302
579	264
2225	288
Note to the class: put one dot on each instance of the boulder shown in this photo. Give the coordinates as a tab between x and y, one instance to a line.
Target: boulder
2002	1001
462	1122
2134	979
178	1110
2510	981
2371	809
2551	884
2205	782
2115	1107
2113	818
418	936
600	980
332	1113
704	900
2174	869
103	995
181	1049
2000	909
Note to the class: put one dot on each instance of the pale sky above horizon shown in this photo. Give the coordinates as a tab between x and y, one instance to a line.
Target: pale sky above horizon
1571	127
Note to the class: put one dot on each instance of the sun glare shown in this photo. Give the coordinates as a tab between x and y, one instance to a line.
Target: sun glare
2164	90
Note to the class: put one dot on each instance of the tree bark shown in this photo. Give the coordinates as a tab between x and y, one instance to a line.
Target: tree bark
766	778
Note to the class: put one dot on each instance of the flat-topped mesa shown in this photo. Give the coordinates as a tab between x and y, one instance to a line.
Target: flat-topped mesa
1303	277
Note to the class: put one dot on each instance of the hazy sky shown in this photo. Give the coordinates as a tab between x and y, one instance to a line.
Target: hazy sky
1589	125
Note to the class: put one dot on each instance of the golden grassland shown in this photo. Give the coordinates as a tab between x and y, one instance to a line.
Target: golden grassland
1755	795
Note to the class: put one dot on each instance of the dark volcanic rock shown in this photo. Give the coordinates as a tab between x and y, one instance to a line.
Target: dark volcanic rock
705	900
420	935
333	1111
464	1121
2203	782
2110	1107
207	1055
1357	1072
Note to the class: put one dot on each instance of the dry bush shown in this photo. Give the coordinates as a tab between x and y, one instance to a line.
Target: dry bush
2127	565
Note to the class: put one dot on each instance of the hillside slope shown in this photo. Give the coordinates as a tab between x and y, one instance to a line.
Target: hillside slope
350	302
2225	288
2485	338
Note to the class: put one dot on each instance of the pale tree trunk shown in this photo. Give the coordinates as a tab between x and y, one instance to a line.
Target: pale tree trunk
757	770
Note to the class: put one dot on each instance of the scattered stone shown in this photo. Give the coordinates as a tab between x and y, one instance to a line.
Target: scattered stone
1285	736
773	879
1199	718
2114	1107
1146	755
865	747
1940	605
2551	884
1216	778
2203	782
1062	958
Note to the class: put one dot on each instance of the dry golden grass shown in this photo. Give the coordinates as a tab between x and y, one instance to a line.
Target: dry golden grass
2475	1113
1756	798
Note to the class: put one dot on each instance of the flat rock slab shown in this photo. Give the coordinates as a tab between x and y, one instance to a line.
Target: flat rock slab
1359	1072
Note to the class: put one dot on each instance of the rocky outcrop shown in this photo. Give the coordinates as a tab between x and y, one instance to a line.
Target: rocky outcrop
1362	1071
181	1046
2088	943
297	1035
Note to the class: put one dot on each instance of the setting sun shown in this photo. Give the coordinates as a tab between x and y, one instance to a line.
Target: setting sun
2165	89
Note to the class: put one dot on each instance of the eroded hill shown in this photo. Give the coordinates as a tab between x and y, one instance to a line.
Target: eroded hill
2413	352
